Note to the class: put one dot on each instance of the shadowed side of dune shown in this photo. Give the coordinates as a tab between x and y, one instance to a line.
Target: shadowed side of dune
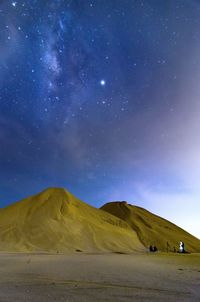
55	220
152	229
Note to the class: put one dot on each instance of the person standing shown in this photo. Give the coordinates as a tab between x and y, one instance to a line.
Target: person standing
181	247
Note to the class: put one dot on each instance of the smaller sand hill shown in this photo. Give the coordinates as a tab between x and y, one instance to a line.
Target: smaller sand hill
55	220
152	229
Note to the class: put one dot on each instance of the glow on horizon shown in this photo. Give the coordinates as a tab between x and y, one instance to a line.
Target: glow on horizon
180	208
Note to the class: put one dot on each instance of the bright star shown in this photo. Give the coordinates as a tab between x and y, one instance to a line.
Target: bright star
14	4
103	82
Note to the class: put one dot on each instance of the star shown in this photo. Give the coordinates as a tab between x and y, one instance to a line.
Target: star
14	4
103	82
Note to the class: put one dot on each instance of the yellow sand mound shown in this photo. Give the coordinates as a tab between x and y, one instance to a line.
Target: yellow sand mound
55	220
152	229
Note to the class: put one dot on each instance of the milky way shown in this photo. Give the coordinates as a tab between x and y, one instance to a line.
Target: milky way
102	97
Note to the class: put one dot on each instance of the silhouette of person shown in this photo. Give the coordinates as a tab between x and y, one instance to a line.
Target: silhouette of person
151	248
155	248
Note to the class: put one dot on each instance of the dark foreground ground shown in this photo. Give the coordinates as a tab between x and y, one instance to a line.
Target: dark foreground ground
99	277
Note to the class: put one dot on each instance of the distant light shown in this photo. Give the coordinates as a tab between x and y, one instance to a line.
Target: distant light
103	82
14	4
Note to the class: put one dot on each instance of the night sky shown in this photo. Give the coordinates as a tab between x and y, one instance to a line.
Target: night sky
103	98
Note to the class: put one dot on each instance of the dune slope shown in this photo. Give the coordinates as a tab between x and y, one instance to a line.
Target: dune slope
152	229
55	220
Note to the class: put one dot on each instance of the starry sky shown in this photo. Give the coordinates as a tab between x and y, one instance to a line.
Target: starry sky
102	97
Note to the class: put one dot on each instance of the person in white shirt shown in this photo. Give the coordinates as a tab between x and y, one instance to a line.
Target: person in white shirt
181	247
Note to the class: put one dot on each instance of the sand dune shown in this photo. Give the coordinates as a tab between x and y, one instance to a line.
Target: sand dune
152	229
56	221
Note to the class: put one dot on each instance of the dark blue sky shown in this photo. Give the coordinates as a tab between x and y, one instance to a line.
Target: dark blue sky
102	98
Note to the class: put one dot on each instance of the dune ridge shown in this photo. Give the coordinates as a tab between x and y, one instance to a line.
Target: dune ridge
56	221
152	229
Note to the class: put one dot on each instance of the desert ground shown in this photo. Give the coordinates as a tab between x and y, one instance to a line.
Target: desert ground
99	277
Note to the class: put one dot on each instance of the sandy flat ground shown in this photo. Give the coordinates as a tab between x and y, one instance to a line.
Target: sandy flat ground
99	277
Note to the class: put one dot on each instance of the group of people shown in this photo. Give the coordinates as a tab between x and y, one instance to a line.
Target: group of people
153	248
